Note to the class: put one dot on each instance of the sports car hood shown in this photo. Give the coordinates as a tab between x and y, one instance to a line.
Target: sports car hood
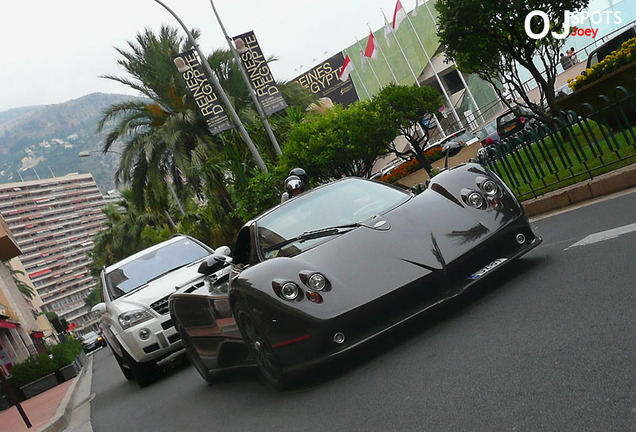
159	288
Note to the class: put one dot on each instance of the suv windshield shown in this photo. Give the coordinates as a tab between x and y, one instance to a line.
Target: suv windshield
153	265
340	204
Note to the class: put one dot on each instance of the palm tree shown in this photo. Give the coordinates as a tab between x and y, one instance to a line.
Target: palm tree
128	229
23	287
165	139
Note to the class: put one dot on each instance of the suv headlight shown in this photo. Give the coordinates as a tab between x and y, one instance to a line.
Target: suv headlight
133	317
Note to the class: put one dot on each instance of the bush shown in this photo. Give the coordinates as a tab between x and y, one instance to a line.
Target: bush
33	368
40	365
65	352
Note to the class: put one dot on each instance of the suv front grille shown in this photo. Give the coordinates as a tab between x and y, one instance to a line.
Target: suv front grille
161	306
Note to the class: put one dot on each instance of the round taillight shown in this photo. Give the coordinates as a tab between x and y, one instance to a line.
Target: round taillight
490	188
317	282
476	200
289	291
522	120
487	141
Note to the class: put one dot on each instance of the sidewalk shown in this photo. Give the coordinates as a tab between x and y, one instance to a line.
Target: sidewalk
62	408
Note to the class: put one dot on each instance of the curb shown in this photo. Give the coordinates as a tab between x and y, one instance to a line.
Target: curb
605	184
62	416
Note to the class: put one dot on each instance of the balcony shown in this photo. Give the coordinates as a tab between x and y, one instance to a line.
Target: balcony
8	246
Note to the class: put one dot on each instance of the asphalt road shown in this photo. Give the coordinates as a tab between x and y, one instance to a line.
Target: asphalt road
548	345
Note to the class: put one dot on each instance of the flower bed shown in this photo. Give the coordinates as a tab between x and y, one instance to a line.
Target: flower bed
411	166
616	60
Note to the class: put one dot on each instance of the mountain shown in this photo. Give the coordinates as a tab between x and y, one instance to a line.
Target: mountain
44	141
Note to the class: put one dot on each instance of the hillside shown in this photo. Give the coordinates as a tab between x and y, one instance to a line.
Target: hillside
43	141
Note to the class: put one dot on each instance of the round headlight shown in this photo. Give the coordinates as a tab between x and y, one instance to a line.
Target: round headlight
289	291
317	282
476	200
490	188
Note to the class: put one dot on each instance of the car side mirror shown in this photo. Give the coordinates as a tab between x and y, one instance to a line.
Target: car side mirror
219	259
99	309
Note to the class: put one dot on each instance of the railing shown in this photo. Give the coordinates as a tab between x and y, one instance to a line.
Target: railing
575	146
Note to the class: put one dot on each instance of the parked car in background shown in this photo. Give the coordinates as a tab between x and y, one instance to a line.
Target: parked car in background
134	314
92	341
488	134
462	137
514	121
344	263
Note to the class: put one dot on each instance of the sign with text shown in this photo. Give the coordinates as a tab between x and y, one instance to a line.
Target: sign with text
259	73
200	89
323	81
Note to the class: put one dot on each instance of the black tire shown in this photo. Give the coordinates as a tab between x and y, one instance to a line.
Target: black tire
144	373
266	359
125	368
194	358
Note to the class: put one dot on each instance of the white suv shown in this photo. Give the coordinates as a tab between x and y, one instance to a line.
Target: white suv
135	317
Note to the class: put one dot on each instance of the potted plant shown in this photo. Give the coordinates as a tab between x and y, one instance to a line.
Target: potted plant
36	374
65	355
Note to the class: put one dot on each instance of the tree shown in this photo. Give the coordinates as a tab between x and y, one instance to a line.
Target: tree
127	230
404	108
23	287
488	38
341	142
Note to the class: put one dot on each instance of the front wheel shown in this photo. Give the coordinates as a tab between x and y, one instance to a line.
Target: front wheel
262	351
125	368
144	373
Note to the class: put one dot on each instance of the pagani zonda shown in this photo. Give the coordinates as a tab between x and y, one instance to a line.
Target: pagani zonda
340	264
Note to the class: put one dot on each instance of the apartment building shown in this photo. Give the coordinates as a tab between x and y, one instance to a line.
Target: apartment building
53	222
20	334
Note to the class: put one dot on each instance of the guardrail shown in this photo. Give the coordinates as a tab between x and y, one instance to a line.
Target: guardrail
576	145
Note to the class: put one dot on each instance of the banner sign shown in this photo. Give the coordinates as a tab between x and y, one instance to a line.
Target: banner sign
259	73
323	81
200	89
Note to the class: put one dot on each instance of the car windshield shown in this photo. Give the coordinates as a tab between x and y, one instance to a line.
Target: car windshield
153	265
88	336
466	136
340	204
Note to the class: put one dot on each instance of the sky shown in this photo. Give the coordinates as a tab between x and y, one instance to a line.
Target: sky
55	51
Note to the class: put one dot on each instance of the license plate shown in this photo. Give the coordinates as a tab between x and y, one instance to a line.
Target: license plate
509	128
488	268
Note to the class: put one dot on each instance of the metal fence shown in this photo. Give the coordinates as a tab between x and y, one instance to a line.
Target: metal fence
576	145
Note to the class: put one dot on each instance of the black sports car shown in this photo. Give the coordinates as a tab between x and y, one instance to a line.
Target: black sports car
340	264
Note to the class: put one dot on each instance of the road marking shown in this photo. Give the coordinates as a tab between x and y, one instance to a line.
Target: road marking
604	235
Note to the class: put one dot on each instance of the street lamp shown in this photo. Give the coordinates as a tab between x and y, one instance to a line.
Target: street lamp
217	86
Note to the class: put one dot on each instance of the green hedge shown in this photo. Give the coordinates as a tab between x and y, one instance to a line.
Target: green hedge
40	365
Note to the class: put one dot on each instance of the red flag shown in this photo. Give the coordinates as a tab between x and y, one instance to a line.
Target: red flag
398	15
371	50
346	69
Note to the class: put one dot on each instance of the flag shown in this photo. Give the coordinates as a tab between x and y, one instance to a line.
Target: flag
398	15
417	4
346	69
371	50
362	59
387	31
